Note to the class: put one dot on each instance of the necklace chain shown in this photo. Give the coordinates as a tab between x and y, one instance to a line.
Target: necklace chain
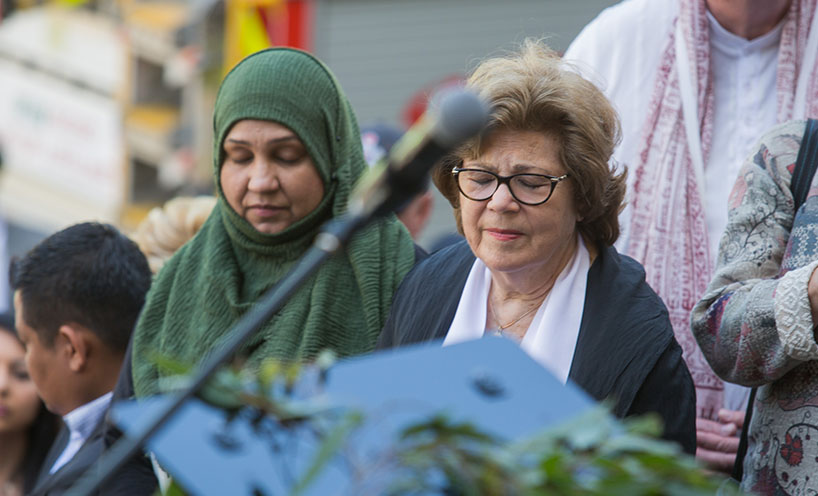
506	326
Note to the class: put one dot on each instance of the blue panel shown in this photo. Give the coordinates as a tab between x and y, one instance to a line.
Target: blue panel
490	383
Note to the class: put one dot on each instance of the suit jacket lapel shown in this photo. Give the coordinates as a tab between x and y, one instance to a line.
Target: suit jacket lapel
54	452
69	473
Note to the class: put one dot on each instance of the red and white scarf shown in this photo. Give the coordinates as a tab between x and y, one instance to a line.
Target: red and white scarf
668	232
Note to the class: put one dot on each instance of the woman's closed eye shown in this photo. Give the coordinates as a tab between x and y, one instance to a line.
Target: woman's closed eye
533	182
240	157
289	155
482	179
477	177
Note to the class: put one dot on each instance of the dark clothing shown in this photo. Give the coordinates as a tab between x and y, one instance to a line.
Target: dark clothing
61	481
136	478
625	349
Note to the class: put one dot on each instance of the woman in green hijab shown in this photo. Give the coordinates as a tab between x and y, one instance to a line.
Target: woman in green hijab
287	152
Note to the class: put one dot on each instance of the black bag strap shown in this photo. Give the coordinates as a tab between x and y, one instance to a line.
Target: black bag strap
805	165
738	466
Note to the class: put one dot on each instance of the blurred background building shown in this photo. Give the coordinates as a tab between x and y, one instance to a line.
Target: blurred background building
105	106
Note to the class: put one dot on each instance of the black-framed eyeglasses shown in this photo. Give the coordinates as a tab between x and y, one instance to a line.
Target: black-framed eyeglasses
528	189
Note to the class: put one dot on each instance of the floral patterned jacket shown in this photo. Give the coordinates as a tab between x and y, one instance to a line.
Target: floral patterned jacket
754	323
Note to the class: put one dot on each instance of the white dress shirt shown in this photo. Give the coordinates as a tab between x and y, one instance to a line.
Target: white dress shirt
744	76
81	422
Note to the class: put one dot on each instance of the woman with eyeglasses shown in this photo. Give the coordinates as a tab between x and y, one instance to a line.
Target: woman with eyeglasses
537	201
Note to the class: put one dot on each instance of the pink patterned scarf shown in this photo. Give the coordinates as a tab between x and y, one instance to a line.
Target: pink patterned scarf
668	233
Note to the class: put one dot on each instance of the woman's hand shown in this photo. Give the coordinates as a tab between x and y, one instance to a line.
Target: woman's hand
717	441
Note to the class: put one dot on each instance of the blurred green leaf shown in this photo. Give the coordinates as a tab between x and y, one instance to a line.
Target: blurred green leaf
328	449
173	489
590	455
170	366
326	359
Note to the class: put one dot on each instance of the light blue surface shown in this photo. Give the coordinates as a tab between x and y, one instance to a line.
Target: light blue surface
392	389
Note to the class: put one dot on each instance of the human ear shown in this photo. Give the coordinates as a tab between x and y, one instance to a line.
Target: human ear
73	345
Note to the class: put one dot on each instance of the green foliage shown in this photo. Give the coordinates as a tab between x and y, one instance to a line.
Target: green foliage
174	489
591	455
329	448
588	456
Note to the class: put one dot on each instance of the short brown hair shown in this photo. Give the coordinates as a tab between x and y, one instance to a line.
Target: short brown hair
534	90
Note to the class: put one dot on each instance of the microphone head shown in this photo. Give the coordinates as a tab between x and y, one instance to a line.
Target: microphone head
461	115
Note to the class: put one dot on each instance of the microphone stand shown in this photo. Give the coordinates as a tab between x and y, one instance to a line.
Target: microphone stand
462	115
335	234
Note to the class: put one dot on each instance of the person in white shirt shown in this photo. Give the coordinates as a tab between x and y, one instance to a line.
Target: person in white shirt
696	82
77	296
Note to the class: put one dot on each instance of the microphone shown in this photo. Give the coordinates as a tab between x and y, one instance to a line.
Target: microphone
459	116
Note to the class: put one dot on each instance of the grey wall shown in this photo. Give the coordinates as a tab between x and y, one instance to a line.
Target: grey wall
384	51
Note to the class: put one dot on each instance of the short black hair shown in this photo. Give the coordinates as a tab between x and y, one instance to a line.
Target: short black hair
89	274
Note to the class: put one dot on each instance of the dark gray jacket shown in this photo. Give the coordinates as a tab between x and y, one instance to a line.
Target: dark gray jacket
625	349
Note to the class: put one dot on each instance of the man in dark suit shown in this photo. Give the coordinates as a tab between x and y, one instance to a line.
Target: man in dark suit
77	296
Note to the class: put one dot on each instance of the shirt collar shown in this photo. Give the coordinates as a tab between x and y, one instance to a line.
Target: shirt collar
82	420
731	43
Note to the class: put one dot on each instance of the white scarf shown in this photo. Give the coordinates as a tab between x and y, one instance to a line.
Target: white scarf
552	335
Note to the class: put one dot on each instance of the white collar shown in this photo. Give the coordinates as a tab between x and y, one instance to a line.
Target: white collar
82	420
735	45
551	337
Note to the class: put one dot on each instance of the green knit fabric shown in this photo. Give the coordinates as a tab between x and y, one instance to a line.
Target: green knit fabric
217	276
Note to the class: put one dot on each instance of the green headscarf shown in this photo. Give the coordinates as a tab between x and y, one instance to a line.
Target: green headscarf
217	276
